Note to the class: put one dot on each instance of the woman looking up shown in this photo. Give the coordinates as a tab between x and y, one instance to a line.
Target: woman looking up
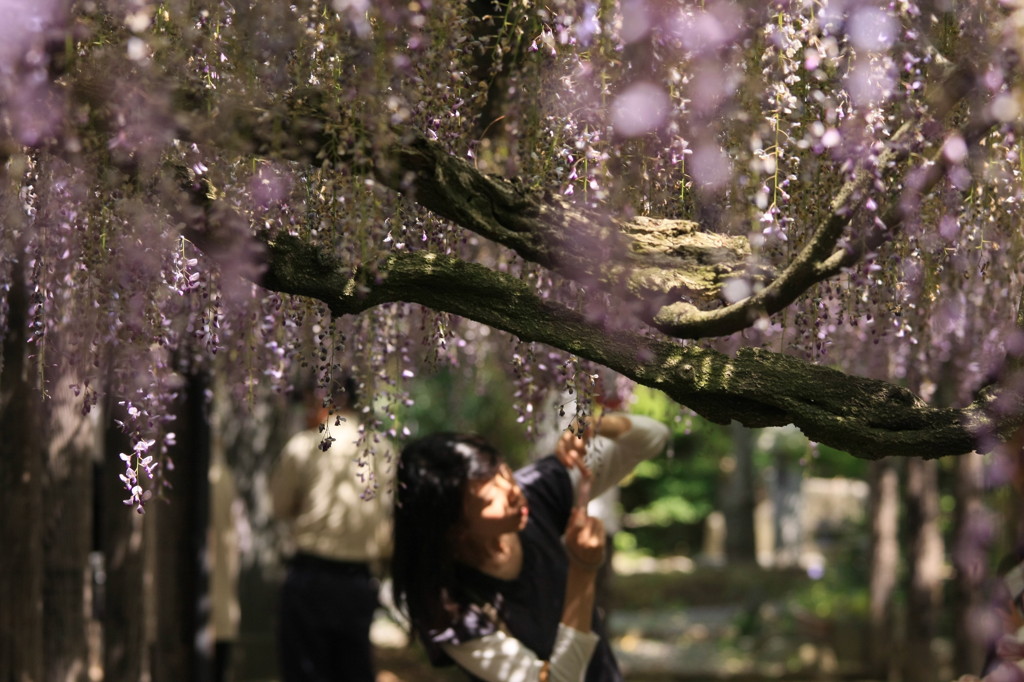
496	569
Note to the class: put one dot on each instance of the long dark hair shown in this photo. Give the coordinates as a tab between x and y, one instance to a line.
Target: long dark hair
432	476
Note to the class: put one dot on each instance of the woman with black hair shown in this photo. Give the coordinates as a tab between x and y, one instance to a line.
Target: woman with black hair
496	569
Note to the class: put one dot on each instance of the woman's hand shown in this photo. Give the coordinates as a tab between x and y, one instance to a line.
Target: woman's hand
572	446
570	451
585	540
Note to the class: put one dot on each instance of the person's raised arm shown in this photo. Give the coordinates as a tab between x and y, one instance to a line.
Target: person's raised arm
608	449
584	544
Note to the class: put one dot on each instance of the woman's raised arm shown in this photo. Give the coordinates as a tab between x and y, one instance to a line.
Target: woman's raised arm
621	442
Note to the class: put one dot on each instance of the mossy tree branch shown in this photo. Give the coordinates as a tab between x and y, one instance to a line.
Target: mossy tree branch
866	417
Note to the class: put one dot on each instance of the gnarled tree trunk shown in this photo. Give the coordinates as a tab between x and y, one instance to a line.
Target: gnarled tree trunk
885	562
68	534
124	605
924	575
181	572
970	558
738	499
21	500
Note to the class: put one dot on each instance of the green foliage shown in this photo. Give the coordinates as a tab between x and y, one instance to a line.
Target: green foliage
842	590
478	401
833	597
828	462
678	489
667	499
790	444
673	508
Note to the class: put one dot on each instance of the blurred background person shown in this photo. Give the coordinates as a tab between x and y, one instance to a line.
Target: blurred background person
334	495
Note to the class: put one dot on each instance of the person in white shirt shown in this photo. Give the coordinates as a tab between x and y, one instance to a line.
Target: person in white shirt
335	498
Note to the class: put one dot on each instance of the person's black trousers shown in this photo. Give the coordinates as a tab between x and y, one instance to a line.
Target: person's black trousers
326	608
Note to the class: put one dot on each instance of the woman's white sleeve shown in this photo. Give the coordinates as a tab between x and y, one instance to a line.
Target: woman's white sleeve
499	657
611	460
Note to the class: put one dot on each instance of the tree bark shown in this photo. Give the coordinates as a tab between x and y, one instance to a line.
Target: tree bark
787	496
21	501
125	601
68	534
970	558
181	573
738	499
924	577
885	562
1013	530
